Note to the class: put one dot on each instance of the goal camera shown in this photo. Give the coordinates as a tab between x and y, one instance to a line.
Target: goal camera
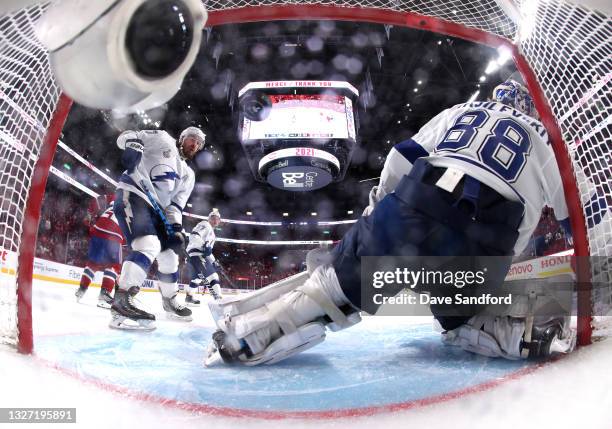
126	55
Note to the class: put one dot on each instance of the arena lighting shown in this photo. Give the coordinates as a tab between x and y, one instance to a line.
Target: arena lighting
473	97
336	222
110	180
86	163
277	242
88	191
60	174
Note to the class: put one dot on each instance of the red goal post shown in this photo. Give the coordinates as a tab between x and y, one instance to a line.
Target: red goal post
562	50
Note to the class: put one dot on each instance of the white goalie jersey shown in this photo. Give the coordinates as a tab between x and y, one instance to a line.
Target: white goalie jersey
497	145
161	171
201	241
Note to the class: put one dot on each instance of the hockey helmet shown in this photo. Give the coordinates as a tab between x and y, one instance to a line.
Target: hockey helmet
215	213
515	94
194	132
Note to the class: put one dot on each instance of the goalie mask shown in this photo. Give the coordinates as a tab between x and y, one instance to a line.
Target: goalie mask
190	142
513	93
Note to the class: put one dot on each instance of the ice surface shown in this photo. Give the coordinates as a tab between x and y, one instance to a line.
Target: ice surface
118	379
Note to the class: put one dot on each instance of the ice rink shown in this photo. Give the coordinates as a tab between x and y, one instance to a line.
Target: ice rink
385	372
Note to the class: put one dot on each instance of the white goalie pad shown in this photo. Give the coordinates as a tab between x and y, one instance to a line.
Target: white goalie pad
283	318
234	305
304	338
488	336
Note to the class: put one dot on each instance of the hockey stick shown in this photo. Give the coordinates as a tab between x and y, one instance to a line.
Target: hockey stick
225	276
157	209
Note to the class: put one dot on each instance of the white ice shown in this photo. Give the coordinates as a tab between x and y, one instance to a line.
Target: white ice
575	391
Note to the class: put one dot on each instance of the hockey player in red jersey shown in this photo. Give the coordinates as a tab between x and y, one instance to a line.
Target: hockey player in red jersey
104	254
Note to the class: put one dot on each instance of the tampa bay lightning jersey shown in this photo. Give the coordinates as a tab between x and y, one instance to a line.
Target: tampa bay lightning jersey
497	145
202	240
161	171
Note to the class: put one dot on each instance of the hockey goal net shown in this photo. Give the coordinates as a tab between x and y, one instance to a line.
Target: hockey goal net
562	49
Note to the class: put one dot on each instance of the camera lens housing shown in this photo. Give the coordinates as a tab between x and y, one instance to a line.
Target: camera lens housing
159	36
125	55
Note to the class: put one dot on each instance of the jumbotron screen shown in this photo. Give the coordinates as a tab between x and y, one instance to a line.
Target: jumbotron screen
304	116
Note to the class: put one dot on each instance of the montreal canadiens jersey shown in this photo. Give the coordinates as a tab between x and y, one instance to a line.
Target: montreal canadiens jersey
202	240
497	145
161	170
106	227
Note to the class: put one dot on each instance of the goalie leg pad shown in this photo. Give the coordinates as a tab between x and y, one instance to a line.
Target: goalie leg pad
231	306
489	336
293	322
303	338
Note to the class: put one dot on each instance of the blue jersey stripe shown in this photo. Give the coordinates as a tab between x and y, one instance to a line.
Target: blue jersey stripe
125	178
411	150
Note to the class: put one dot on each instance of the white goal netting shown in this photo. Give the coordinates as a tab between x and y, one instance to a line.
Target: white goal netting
566	46
28	96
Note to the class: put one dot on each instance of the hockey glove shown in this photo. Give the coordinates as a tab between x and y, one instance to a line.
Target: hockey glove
177	240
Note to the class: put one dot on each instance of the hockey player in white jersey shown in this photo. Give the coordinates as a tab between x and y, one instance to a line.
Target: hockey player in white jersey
150	198
471	182
202	262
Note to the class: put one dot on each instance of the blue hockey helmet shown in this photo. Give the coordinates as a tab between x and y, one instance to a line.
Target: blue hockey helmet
515	94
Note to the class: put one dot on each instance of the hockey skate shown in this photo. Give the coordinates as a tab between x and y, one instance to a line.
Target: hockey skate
80	292
549	338
213	290
220	350
105	300
125	315
176	311
191	301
